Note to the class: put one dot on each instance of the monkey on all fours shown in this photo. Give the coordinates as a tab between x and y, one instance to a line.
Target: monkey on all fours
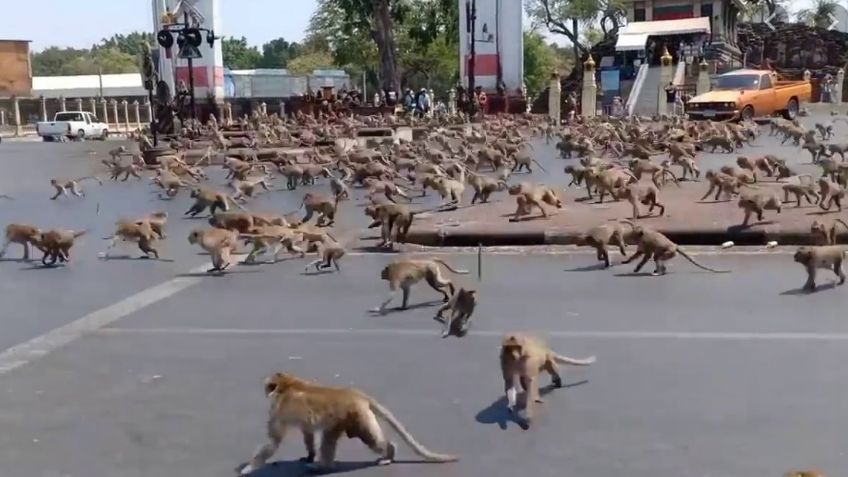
826	256
334	412
56	244
826	236
328	253
62	186
23	234
207	198
220	244
403	273
522	359
653	244
461	306
601	236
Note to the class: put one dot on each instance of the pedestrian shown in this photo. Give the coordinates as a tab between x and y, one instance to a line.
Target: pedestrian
671	97
826	88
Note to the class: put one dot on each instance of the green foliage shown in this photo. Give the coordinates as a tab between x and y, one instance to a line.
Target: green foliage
277	53
819	14
238	55
130	44
69	61
568	17
306	63
539	62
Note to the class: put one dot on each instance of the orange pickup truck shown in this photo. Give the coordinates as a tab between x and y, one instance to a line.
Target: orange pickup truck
745	94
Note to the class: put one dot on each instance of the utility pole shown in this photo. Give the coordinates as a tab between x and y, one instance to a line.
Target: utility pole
190	72
470	26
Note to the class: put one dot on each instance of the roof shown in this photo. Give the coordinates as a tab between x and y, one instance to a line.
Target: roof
631	42
745	72
667	27
129	84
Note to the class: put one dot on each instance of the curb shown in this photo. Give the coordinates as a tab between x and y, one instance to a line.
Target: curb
472	238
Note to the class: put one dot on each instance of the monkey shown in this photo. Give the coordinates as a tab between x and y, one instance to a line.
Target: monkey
23	234
753	165
804	188
245	188
825	256
170	183
311	171
742	175
326	208
602	235
126	170
56	244
461	306
220	244
721	183
803	473
387	188
205	197
62	186
727	144
607	181
140	231
822	236
831	193
528	196
653	244
115	155
157	221
449	189
237	221
262	237
484	187
339	189
293	173
391	216
522	161
645	193
523	358
689	167
657	171
757	202
404	273
577	174
328	254
333	412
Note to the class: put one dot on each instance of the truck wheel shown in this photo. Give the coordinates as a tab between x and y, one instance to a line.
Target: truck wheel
80	135
791	109
747	113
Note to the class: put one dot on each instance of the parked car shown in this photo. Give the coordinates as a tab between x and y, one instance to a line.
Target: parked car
72	125
745	94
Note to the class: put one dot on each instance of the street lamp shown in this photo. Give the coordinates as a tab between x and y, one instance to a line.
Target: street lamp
188	39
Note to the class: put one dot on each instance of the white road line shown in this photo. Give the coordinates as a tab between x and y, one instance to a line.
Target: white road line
634	335
40	346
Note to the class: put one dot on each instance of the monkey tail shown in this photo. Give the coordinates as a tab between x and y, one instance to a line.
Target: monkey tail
573	361
540	166
445	264
673	177
687	257
843	223
419	449
80	233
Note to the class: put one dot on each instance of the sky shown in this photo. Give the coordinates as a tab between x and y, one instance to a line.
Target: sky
82	23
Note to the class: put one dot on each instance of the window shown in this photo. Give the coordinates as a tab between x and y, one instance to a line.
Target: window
69	117
639	15
765	83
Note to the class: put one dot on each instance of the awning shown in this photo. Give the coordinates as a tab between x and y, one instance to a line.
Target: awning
632	42
666	27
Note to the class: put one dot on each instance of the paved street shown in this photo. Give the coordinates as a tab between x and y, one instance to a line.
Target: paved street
131	368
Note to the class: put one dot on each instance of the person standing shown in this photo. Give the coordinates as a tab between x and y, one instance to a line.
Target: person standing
671	97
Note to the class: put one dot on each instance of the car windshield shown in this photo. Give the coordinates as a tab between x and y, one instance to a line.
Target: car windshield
69	117
738	82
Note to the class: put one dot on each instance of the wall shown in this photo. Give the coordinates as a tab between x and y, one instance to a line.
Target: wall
509	14
15	68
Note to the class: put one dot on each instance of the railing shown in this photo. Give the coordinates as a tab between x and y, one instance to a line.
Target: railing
637	88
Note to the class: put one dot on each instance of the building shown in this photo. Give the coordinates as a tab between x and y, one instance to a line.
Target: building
498	43
126	86
722	16
15	68
280	83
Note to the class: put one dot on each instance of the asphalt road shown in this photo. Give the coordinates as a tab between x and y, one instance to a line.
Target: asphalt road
137	368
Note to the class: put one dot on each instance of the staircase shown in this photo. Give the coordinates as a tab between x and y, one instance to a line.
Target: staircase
646	102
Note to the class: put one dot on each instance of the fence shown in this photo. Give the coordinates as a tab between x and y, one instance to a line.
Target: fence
121	114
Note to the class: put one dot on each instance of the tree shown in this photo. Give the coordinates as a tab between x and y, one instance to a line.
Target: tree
556	15
130	43
820	14
277	53
238	55
539	62
55	61
308	62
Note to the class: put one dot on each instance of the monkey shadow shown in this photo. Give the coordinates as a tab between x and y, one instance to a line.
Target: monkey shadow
397	309
18	260
374	248
197	217
226	272
314	273
713	201
40	266
741	227
296	468
802	292
824	212
589	268
525	219
497	412
140	258
636	274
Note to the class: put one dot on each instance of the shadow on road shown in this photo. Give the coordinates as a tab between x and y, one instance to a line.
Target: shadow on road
497	412
390	311
296	468
801	291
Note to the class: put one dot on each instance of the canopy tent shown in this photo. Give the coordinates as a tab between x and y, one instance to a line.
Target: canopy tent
631	42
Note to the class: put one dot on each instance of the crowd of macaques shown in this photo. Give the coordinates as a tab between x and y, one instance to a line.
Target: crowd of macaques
614	155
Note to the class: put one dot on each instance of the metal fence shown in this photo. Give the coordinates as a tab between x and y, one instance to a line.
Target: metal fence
121	114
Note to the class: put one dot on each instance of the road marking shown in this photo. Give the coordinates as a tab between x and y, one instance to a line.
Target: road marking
21	354
635	335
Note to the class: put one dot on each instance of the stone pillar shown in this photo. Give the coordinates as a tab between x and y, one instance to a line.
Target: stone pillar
807	75
79	104
452	102
2	117
703	85
137	114
115	115
229	108
43	108
840	81
93	106
16	104
62	104
590	89
263	109
555	99
105	109
149	107
126	107
282	109
666	76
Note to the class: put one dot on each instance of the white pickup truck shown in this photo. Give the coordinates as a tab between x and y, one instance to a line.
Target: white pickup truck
73	125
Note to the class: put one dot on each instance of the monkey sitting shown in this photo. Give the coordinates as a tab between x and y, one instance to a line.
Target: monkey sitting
334	412
461	306
826	256
404	273
522	359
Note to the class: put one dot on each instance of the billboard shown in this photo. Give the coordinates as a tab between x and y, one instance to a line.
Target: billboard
498	43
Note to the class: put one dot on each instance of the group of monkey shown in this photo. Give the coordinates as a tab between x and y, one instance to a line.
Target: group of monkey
433	163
